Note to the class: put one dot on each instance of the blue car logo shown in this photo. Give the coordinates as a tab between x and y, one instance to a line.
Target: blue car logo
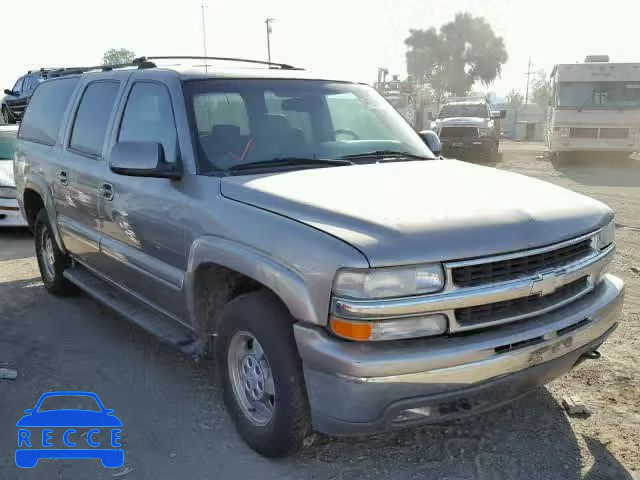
44	426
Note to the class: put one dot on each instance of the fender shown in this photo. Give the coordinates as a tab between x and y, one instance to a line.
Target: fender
286	283
38	185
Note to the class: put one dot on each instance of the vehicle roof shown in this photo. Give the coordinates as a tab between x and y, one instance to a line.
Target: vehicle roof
199	73
466	102
596	71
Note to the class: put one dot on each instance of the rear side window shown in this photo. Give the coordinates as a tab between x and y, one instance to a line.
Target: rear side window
92	118
43	117
148	117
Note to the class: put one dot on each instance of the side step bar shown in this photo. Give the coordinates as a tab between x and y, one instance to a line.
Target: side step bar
162	326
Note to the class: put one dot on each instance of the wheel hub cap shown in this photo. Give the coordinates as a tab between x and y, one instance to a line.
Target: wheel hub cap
251	378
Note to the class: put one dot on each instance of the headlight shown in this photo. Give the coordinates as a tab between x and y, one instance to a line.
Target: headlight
484	132
8	192
389	282
606	236
564	132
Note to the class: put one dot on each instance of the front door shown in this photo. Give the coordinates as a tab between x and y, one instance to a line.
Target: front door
81	167
144	219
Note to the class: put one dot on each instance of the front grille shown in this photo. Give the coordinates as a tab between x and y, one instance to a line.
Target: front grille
519	307
614	133
583	133
514	268
459	132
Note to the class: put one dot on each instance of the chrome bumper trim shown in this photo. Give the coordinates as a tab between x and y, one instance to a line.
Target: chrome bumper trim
468	358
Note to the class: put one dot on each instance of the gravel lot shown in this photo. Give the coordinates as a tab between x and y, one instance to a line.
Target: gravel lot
175	425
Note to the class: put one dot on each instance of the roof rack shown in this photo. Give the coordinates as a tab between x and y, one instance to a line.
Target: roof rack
282	66
140	63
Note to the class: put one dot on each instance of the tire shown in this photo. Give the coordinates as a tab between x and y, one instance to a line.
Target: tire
51	261
4	115
260	314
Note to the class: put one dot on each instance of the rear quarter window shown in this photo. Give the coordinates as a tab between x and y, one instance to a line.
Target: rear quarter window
44	114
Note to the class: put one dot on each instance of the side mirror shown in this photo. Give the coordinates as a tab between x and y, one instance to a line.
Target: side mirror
430	115
142	159
432	140
503	113
9	92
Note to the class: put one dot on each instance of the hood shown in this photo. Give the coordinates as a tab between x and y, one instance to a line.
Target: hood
412	212
464	121
6	174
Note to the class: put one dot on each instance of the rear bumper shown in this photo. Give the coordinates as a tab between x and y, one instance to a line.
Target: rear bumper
10	215
593	145
358	388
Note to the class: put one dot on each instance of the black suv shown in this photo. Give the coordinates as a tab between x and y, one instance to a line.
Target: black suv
16	99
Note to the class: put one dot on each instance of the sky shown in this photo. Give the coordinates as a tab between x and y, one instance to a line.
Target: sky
344	38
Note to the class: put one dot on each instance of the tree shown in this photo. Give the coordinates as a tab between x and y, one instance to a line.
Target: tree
514	98
541	89
460	54
116	56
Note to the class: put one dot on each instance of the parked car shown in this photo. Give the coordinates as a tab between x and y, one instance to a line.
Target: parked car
16	98
468	128
10	215
296	227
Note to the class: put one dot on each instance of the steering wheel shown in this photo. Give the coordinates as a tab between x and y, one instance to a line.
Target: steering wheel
347	132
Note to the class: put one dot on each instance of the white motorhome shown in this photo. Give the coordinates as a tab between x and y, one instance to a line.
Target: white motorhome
595	106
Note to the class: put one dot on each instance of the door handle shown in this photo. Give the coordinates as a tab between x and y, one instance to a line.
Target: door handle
63	178
106	190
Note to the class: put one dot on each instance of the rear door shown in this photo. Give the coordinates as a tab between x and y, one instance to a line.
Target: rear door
144	220
82	165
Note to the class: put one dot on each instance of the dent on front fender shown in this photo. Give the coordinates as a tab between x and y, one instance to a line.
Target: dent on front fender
39	185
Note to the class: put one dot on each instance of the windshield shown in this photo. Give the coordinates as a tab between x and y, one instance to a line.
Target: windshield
7	146
69	402
257	120
477	110
599	94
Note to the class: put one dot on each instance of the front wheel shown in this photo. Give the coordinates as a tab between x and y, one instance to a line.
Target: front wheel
262	376
4	115
51	261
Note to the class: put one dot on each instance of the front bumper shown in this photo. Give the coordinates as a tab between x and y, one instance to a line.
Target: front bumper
10	215
357	388
466	146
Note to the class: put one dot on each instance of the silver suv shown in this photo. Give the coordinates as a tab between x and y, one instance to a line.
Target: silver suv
296	227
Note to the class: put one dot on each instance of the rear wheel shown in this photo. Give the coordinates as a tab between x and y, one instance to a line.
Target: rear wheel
51	261
262	376
5	115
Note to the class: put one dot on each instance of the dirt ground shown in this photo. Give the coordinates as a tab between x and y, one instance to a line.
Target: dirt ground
174	421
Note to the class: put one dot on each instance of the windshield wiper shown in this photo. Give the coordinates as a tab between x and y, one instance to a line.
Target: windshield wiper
290	162
387	153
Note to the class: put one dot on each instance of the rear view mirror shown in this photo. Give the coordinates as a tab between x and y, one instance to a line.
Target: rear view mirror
142	159
432	140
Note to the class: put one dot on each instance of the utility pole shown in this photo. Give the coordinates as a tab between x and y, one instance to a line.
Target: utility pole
268	23
204	39
528	74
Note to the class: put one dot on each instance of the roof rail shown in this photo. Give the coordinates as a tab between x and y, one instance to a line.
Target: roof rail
140	63
282	66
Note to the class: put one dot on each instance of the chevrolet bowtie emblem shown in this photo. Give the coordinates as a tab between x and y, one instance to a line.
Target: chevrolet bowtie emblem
548	282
